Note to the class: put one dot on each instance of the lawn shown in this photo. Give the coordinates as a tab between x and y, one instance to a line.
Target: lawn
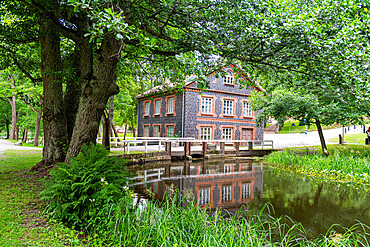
351	138
21	220
300	129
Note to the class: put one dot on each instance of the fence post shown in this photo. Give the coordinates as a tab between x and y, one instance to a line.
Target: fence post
222	147
204	144
250	146
159	146
168	145
186	148
237	145
128	147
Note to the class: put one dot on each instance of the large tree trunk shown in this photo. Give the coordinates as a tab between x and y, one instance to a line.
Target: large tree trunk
37	127
73	92
322	139
111	113
54	119
96	90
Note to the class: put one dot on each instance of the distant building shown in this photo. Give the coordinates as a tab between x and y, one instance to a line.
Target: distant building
223	111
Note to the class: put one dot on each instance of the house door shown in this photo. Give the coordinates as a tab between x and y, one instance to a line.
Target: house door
247	134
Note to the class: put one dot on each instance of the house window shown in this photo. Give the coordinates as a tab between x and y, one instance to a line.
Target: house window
204	196
229	78
205	133
247	109
170	131
146	110
228	107
228	168
246	190
146	130
157	131
157	107
171	105
227	134
206	105
226	193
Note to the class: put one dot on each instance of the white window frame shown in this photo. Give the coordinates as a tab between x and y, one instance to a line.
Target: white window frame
229	78
226	193
157	133
227	134
147	108
173	130
146	130
247	109
228	107
246	190
157	106
204	196
206	105
205	133
171	105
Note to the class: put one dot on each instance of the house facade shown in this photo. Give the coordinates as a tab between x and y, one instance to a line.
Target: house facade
223	111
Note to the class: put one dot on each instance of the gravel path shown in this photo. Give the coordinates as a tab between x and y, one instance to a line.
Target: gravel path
312	138
5	145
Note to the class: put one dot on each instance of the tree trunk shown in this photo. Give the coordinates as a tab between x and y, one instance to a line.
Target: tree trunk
106	135
124	135
133	127
17	127
13	128
111	114
54	119
322	139
37	127
73	93
7	129
25	134
96	90
114	131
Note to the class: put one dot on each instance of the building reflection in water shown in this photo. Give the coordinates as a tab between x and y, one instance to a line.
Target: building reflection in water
225	183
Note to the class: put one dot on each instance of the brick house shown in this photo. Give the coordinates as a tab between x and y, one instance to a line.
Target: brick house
223	111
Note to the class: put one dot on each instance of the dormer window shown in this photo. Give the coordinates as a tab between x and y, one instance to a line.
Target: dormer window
229	78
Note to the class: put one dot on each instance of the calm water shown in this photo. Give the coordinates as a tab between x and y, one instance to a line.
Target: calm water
236	184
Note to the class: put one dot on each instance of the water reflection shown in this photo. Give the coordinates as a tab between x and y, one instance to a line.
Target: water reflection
232	184
228	183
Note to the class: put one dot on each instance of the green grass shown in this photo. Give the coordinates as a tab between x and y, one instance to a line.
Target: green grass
351	138
301	129
24	144
346	163
21	223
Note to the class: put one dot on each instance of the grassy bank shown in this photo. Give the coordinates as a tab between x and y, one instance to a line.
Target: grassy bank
300	129
348	163
21	222
125	223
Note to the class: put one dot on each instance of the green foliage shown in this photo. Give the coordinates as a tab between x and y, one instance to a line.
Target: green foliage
80	193
347	164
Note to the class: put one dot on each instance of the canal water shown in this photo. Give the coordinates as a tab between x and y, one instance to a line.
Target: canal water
243	184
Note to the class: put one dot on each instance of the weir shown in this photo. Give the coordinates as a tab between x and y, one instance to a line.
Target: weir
141	149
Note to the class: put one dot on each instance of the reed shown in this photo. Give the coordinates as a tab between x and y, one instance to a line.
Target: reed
167	224
346	164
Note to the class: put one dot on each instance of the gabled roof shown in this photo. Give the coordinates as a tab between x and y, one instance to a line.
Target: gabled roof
165	87
168	86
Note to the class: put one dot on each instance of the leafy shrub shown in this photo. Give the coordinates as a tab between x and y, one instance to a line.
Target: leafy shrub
80	193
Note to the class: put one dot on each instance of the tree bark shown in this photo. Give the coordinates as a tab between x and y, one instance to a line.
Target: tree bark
7	129
96	90
54	119
37	127
133	127
106	135
25	134
111	114
73	92
114	130
322	139
13	105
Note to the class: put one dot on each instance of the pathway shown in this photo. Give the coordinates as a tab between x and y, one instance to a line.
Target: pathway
311	139
5	145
